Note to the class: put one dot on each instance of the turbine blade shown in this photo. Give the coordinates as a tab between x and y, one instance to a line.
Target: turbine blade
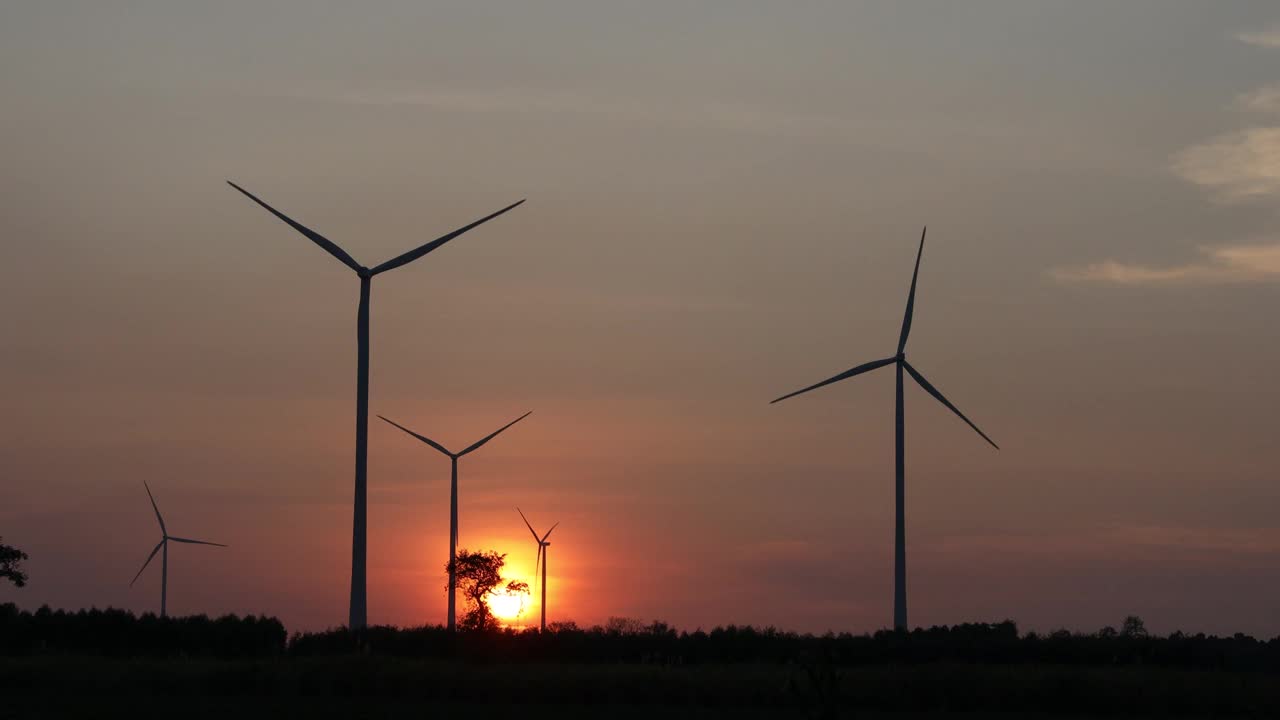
911	298
938	396
315	237
424	439
148	562
418	252
526	524
536	565
476	445
153	507
195	542
553	527
865	367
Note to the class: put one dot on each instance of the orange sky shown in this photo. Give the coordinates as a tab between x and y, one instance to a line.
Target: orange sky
724	200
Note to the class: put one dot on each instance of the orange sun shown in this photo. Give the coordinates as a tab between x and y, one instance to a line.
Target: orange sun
508	606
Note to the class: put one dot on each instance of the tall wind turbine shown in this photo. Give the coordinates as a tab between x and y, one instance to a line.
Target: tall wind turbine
453	502
359	612
542	557
165	537
900	361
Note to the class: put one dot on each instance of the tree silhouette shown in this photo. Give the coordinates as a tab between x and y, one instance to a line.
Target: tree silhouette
10	564
478	574
1133	627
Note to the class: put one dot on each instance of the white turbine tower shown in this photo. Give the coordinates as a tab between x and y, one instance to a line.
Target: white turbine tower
541	559
900	360
165	537
453	503
358	614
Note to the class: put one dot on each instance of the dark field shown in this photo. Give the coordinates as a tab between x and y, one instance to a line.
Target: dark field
104	662
364	686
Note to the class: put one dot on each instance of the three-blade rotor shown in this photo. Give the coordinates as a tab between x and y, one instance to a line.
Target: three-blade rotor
332	248
164	536
542	544
900	357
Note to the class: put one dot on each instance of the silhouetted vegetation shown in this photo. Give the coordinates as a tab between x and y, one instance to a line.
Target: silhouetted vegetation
11	564
623	640
77	657
119	633
627	640
479	574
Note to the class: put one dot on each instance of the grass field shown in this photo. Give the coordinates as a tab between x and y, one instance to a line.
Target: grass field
355	686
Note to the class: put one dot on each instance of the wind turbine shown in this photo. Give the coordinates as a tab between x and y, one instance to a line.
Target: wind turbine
165	537
358	614
453	501
900	361
542	557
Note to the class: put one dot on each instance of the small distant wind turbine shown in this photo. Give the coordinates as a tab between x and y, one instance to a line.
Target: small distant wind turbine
358	614
542	557
900	360
453	501
165	537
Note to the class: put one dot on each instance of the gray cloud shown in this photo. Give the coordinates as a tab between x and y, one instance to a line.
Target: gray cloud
1267	38
1237	166
1219	265
1264	99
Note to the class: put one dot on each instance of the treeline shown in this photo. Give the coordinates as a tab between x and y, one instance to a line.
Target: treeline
623	640
119	633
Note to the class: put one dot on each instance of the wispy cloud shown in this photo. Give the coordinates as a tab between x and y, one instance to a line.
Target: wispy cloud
1268	38
1237	166
1234	167
1219	265
1264	99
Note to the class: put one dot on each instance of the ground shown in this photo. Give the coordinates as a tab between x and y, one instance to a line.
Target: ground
356	686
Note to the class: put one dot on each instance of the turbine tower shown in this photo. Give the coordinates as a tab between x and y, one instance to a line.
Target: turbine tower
359	608
165	537
453	502
542	558
900	361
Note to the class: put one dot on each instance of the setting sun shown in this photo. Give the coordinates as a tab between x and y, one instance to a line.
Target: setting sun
507	605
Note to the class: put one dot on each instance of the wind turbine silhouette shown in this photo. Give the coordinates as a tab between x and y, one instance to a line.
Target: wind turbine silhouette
359	612
900	360
165	537
453	501
542	557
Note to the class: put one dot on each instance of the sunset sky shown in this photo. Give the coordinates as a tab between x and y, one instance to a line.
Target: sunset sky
724	200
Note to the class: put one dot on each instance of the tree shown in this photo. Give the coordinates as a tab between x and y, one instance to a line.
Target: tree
10	564
1133	627
479	573
623	626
